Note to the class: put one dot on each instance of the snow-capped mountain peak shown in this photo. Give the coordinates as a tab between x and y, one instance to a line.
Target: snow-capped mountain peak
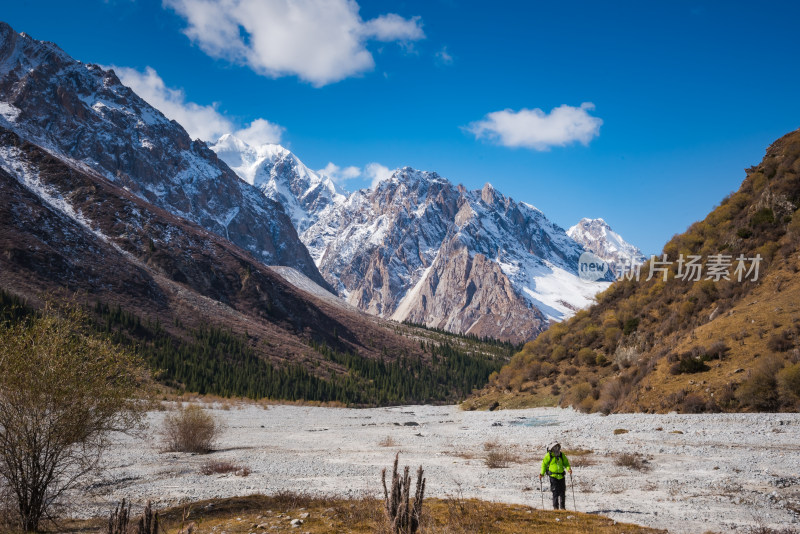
281	176
596	236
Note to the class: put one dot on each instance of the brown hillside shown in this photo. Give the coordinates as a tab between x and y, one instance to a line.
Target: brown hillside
686	345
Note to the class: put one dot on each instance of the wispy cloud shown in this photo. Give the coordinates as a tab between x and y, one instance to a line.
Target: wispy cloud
319	41
535	129
204	122
444	57
374	172
340	174
377	173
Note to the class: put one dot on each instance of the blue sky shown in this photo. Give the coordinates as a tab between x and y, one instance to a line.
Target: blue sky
678	97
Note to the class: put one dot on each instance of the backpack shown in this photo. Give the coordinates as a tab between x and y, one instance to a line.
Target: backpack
547	469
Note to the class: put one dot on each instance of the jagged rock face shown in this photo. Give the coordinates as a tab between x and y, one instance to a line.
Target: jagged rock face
83	113
471	294
597	237
280	176
377	244
419	248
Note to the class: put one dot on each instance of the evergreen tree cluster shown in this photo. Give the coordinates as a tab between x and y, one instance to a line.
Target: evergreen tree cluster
216	360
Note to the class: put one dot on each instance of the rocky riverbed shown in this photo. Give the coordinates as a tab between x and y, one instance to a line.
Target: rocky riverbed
689	473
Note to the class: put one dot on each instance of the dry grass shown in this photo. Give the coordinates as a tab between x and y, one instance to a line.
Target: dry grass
580	457
509	401
221	467
500	456
242	515
578	452
632	461
466	455
388	441
190	429
618	431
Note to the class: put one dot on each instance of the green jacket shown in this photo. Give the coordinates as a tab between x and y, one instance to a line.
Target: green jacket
555	466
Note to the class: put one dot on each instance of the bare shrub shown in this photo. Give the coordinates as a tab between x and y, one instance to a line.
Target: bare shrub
499	456
759	390
388	441
190	429
580	457
789	383
612	394
497	460
221	467
578	392
403	515
618	431
61	392
782	341
718	350
693	403
632	461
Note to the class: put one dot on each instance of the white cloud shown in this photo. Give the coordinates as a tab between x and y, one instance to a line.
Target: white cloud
393	27
533	128
444	57
377	173
319	41
374	172
204	122
338	174
259	132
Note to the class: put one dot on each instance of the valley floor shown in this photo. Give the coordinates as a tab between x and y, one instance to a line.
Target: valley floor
719	473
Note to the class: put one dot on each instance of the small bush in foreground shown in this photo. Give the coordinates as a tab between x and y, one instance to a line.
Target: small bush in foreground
221	467
497	460
62	391
190	429
632	461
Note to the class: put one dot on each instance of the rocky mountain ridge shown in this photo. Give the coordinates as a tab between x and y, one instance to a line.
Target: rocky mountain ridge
84	114
419	248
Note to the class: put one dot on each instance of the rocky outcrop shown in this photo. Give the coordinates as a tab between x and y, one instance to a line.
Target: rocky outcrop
471	294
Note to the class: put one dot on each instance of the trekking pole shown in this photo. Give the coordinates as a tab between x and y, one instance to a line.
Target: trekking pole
572	483
541	492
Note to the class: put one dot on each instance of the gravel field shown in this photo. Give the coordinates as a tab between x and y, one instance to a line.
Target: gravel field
721	472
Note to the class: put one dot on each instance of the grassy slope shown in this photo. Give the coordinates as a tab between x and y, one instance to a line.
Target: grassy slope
617	355
456	516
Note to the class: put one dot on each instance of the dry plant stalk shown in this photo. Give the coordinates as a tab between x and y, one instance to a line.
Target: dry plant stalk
403	516
118	520
120	517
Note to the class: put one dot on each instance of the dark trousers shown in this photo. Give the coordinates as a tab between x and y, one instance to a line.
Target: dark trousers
559	488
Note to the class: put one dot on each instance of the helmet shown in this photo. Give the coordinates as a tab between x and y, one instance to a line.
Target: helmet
553	445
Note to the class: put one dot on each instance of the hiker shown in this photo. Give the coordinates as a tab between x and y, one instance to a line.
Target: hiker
555	464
